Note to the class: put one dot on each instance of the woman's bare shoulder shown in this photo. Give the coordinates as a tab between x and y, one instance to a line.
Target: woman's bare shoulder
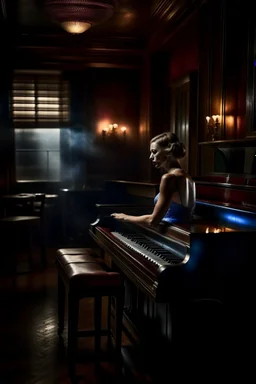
168	179
181	173
168	176
171	177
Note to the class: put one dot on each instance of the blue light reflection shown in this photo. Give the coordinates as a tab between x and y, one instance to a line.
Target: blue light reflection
235	219
196	252
246	220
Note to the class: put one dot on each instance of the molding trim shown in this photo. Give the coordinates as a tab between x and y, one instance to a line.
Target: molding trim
162	8
78	58
169	16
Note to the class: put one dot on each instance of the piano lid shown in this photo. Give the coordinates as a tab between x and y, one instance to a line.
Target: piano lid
182	232
226	216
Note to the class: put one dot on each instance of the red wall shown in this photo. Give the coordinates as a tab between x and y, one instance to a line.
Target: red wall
184	50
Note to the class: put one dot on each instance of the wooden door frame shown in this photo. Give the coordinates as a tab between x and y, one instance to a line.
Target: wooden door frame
192	79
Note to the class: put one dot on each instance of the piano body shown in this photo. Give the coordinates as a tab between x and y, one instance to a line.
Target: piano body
186	279
196	261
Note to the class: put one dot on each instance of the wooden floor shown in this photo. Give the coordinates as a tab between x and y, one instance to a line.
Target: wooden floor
31	352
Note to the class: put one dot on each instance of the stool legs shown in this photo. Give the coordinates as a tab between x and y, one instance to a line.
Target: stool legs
71	281
30	248
97	324
61	305
119	322
73	315
109	321
43	243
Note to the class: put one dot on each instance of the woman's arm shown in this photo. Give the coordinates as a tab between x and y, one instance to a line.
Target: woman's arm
167	188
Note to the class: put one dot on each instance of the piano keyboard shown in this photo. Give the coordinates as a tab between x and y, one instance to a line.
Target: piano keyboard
147	248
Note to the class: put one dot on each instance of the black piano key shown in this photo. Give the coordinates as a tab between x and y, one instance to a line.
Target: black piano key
151	246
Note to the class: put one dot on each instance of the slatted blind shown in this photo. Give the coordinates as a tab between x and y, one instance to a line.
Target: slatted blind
39	101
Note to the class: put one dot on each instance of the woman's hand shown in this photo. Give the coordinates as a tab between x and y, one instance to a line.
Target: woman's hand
119	216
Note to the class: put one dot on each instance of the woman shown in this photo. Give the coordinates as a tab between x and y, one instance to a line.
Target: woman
176	199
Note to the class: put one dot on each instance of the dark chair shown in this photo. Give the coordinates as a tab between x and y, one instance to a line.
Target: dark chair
39	210
83	274
15	229
21	204
23	215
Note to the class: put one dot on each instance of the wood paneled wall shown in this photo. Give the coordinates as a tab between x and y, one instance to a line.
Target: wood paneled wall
114	98
222	67
145	120
213	42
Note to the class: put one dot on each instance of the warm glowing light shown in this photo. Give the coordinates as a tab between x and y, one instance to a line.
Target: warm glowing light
15	105
49	106
112	130
112	127
214	230
102	125
215	118
230	121
47	100
75	27
23	113
213	125
21	98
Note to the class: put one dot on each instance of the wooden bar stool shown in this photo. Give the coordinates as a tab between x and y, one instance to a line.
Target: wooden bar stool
86	275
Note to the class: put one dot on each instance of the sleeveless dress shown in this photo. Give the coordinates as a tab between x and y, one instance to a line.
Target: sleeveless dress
176	213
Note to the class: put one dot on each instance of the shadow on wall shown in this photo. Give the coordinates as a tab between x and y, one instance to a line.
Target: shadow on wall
86	158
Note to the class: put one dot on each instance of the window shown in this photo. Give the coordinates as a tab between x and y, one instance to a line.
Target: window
39	108
37	154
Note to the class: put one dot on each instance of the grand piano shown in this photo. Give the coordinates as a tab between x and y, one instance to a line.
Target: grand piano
186	284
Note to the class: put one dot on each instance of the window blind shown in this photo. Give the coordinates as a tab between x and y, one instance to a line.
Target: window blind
39	101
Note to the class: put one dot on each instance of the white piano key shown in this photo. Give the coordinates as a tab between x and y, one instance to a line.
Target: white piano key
142	250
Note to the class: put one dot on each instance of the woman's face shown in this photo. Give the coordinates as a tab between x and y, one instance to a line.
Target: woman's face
157	155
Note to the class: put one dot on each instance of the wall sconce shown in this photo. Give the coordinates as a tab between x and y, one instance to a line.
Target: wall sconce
113	131
213	124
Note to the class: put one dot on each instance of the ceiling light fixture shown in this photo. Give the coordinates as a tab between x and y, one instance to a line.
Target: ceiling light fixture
75	27
77	16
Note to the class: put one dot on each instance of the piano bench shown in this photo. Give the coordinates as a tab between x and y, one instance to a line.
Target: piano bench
75	251
81	276
63	258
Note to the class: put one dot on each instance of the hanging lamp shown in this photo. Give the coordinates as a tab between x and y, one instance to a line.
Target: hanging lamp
77	16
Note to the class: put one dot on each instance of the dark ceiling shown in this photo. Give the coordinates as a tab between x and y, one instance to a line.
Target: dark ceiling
136	26
131	19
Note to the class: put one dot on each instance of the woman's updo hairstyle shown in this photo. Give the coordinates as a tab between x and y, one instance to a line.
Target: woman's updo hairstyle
171	144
